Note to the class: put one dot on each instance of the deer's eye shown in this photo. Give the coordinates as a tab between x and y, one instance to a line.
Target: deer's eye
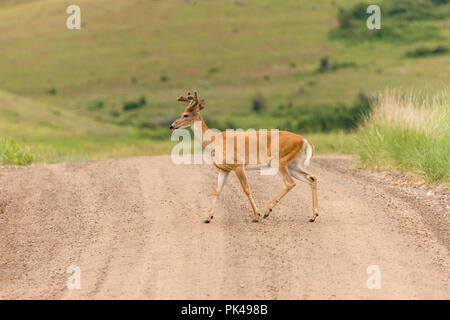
185	116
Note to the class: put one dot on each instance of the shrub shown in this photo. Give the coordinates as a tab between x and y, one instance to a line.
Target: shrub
324	63
95	106
132	105
213	70
258	103
426	52
325	118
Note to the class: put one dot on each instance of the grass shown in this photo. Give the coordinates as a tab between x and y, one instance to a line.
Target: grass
407	133
12	154
334	142
229	52
110	88
52	135
404	21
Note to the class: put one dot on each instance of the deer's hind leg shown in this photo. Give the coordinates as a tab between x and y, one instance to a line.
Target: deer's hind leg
240	173
289	183
298	173
221	179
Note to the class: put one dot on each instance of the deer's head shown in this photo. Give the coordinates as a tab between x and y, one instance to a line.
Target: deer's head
191	113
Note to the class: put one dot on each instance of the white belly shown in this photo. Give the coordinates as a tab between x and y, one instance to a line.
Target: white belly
256	166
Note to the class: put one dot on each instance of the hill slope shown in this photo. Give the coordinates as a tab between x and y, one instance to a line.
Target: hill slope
55	134
228	50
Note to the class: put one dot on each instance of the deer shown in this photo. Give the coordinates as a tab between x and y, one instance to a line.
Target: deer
290	150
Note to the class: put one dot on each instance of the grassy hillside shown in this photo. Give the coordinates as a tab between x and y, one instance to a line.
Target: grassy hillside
289	57
50	134
408	134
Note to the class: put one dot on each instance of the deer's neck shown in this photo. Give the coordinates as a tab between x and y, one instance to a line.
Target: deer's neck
200	136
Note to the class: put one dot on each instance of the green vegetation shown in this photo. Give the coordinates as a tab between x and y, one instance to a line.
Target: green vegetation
324	118
426	52
53	134
109	89
407	133
11	153
402	21
132	105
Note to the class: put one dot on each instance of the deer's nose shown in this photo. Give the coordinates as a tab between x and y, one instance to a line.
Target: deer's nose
171	126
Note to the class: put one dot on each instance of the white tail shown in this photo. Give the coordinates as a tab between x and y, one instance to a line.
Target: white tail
309	151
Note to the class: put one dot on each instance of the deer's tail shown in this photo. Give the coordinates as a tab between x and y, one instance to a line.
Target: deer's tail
309	147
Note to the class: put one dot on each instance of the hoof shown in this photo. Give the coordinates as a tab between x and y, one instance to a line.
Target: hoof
206	221
267	214
312	220
255	220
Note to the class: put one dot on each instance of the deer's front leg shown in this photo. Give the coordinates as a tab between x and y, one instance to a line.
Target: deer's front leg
221	179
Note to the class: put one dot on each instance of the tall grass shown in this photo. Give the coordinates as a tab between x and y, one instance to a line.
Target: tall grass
408	133
11	153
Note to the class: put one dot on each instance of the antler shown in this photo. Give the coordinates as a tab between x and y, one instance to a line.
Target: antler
193	101
189	97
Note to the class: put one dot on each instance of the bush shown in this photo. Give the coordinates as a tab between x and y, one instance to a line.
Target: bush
325	118
426	52
258	103
132	105
12	154
325	65
407	134
213	70
95	106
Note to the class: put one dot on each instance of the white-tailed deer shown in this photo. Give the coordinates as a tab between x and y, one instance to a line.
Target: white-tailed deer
289	150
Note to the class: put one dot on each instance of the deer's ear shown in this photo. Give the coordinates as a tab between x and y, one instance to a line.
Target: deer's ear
201	104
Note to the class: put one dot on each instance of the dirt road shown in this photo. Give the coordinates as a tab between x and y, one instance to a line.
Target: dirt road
134	228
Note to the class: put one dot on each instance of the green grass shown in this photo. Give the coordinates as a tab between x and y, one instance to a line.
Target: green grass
110	88
54	135
334	142
403	21
124	52
408	134
12	154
